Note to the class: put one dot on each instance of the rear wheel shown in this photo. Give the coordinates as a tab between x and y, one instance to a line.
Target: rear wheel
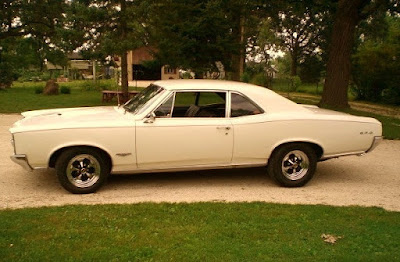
82	170
293	165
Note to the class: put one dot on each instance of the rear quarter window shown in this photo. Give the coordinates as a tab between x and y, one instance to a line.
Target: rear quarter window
242	106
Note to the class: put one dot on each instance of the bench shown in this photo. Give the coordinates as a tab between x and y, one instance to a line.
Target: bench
108	95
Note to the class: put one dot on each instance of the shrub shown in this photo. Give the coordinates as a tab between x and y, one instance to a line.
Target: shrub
33	76
295	82
391	96
311	69
260	79
38	90
375	66
245	77
292	82
6	75
186	75
65	90
90	85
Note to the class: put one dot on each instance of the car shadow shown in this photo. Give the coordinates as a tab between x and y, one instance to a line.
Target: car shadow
199	178
327	173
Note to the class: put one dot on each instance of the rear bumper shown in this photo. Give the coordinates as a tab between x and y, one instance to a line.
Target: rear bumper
21	160
377	140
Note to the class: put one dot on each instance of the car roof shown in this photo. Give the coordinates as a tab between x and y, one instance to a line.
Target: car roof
267	99
204	84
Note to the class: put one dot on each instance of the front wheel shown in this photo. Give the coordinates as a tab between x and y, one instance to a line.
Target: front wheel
82	170
293	165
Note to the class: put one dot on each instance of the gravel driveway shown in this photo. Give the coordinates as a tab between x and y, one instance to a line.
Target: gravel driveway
371	180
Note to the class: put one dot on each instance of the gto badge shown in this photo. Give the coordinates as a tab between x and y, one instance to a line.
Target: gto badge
366	133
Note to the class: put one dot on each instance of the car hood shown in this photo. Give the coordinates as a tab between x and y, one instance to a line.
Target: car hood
64	118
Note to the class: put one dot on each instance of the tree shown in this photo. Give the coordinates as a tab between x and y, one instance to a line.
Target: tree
301	26
311	69
108	27
195	34
28	30
261	44
348	15
191	34
376	67
30	17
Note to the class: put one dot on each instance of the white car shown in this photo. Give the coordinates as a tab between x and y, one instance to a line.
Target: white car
178	125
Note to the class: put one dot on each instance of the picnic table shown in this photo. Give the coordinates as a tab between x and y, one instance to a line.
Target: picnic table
108	95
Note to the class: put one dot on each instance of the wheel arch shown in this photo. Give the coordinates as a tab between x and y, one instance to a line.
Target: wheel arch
318	149
56	153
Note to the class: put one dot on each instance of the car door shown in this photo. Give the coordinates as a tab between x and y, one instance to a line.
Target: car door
249	128
190	130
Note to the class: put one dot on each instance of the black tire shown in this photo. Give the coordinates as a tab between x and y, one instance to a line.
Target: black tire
292	165
82	170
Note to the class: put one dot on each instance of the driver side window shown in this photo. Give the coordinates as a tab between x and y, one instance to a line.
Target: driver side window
193	104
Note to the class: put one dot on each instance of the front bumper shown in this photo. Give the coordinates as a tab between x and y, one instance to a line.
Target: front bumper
377	140
22	160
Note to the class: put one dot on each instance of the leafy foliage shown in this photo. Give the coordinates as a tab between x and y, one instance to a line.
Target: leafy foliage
65	90
349	14
301	28
6	75
311	69
193	34
39	90
37	18
377	66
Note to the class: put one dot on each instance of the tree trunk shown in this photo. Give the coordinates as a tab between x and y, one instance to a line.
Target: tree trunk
124	76
238	60
94	70
293	65
339	63
124	57
294	57
235	67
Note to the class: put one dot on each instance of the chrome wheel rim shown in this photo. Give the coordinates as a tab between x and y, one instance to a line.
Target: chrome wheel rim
295	165
83	171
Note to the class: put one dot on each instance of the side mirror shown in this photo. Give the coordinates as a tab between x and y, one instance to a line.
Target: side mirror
150	118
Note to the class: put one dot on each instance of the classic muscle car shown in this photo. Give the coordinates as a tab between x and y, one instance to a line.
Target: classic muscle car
178	125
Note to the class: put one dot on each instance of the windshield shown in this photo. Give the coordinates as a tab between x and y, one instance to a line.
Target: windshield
139	100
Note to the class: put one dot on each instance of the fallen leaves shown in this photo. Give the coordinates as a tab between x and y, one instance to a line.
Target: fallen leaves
331	239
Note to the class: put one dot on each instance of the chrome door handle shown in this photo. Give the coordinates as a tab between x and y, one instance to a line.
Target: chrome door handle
224	127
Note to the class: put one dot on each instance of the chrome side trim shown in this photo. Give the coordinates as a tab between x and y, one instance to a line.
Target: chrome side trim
375	142
358	153
123	154
21	160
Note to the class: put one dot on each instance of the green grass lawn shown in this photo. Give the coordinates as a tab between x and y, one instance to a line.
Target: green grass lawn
17	100
21	97
199	232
